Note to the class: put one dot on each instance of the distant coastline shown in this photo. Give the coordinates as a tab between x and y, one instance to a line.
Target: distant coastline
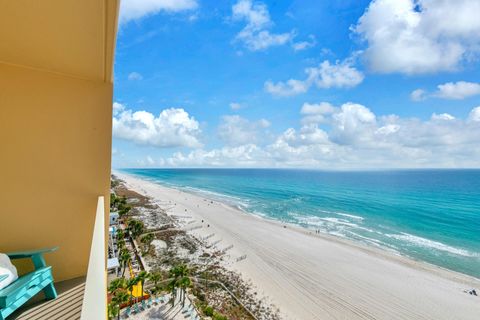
349	224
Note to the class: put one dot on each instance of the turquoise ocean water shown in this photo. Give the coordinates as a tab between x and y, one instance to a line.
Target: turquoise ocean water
428	215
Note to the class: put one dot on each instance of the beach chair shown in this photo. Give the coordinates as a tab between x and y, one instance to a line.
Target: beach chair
25	287
150	302
144	305
128	311
136	308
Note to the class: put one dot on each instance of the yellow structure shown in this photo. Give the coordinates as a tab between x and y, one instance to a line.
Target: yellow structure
137	289
56	71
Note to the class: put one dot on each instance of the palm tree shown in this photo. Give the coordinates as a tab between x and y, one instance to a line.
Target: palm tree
113	201
124	210
181	279
113	310
172	286
117	289
124	258
121	244
147	241
155	277
142	276
130	284
136	228
184	283
120	234
116	284
120	297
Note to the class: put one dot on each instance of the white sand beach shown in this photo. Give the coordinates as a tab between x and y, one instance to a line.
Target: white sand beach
310	276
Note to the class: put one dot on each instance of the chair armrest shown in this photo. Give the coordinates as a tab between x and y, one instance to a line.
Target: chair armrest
31	253
3	276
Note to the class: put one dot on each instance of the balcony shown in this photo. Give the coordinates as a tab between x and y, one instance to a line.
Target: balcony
80	298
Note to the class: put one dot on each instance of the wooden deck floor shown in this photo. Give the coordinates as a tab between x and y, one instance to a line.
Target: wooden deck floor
68	304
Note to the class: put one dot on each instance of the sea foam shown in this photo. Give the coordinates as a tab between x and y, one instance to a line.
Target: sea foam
431	244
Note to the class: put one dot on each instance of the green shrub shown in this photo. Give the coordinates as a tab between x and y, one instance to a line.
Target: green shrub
218	316
208	310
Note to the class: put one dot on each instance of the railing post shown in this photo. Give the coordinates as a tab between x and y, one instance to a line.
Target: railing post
95	296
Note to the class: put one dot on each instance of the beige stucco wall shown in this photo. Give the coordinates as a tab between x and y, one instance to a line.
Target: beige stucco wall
55	142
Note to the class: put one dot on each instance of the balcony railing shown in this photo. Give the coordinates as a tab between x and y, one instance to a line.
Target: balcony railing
95	297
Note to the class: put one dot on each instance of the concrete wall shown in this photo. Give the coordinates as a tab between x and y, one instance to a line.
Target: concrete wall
55	153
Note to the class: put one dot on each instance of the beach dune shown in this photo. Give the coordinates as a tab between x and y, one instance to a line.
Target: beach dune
310	276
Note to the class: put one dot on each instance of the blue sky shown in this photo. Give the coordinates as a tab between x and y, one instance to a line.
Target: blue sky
314	84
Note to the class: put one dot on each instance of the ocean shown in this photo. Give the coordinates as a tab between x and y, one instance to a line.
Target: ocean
427	215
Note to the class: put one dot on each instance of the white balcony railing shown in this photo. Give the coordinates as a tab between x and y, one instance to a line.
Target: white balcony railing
95	296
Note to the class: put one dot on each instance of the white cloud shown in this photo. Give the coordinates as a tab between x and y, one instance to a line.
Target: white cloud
316	113
451	90
235	130
248	155
235	106
352	124
338	75
442	116
418	95
133	76
326	75
285	89
303	45
419	36
319	108
474	115
137	9
457	90
352	136
173	127
117	108
256	35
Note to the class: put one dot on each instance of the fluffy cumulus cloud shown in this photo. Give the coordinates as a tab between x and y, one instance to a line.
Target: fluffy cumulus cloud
256	34
326	75
418	95
458	90
316	112
352	136
419	36
474	115
173	127
137	9
248	155
451	90
235	130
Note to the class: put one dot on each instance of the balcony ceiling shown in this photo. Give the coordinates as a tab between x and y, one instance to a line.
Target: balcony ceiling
71	37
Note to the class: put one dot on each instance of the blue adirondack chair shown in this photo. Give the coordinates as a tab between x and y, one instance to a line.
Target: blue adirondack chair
25	287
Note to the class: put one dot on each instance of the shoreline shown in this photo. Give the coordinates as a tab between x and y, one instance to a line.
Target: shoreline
337	277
